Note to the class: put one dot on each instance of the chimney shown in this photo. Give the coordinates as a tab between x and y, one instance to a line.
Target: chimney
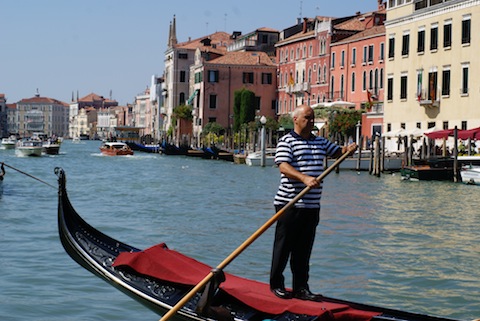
304	25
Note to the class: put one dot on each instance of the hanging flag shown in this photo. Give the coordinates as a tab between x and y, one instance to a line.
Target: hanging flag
419	88
369	96
290	80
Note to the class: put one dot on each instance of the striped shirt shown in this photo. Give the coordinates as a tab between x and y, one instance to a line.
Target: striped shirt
306	156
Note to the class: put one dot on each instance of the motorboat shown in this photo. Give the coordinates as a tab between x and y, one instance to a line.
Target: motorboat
51	147
470	174
9	143
255	158
29	147
115	149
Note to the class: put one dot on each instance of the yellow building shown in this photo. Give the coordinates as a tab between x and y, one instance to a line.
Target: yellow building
433	58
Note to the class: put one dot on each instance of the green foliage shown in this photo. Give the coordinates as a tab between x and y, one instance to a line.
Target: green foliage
285	121
344	121
243	107
183	112
214	128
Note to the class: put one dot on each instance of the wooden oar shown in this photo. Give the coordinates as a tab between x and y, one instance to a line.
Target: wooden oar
250	240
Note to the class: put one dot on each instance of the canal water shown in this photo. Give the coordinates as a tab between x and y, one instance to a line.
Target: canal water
404	245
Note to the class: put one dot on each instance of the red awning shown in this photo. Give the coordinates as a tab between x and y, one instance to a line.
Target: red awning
439	134
473	133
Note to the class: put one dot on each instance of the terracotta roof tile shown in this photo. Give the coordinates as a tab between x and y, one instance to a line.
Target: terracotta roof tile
218	42
368	33
42	100
244	58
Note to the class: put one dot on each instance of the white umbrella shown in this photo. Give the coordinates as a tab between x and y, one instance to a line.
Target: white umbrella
394	133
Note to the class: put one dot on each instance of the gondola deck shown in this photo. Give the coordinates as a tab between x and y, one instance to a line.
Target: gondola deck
98	252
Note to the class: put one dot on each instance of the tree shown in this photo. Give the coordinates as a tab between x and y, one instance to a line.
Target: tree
243	108
343	121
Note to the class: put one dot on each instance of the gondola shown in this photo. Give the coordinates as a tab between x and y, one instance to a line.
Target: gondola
239	299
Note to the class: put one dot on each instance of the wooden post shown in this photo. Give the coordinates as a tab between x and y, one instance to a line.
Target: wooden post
359	158
455	155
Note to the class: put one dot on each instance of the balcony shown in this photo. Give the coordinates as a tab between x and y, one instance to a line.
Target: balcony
298	89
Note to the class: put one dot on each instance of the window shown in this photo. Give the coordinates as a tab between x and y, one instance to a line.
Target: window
370	54
212	119
182	55
183	75
364	81
257	102
419	84
309	75
248	77
354	56
434	38
390	88
421	41
181	99
463	125
447	34
381	78
333	60
353	82
213	76
391	47
213	101
446	82
405	44
465	79
432	86
342	59
266	78
370	80
342	84
332	87
466	29
403	87
382	51
364	57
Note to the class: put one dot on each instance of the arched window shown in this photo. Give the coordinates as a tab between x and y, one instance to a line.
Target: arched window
181	100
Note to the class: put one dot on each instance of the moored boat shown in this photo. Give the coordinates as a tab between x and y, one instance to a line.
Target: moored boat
255	158
123	266
29	147
470	174
147	148
115	149
9	143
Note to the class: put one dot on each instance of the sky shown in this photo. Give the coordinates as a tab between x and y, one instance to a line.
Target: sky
113	47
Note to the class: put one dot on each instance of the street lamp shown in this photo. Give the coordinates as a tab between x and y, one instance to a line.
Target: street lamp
263	121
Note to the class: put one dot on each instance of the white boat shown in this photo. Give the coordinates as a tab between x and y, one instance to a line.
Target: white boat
9	143
470	174
255	158
51	147
29	147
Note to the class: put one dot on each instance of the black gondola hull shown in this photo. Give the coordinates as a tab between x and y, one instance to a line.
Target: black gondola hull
96	252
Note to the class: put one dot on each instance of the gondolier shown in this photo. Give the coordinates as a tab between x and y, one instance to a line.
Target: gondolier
300	157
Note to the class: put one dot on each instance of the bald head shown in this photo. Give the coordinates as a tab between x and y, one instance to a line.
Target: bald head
303	120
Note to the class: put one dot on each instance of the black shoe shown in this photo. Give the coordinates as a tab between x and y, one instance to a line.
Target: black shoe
305	294
282	293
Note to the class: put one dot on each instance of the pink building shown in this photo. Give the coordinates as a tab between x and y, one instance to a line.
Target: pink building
357	71
215	82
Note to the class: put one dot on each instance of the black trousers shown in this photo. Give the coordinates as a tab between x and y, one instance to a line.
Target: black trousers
294	237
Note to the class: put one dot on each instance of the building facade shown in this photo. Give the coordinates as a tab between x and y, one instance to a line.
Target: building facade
432	57
42	115
215	81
